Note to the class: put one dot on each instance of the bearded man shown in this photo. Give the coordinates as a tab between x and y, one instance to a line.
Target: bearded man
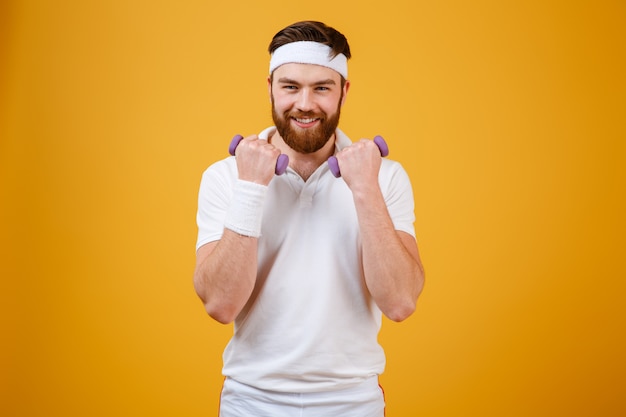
304	263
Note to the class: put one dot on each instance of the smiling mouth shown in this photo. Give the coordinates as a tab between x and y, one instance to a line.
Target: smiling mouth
305	121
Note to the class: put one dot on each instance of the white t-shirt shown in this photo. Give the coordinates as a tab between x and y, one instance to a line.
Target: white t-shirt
310	324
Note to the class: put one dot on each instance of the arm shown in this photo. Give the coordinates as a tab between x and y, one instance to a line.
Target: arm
393	270
225	272
222	281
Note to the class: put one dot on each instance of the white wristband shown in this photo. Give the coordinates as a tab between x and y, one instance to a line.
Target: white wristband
246	208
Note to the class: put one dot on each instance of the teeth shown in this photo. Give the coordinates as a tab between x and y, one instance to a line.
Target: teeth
305	120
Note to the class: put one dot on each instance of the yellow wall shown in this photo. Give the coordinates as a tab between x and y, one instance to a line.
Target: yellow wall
508	115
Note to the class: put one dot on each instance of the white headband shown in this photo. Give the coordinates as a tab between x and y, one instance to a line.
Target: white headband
306	52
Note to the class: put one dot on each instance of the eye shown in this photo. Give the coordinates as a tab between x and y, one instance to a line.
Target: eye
322	88
290	87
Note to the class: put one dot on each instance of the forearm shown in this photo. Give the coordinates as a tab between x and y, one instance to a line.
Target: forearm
225	275
391	264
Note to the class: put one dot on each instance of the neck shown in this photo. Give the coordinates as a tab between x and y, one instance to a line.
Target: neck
304	163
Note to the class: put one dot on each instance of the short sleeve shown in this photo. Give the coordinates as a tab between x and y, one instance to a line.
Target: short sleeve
214	199
398	193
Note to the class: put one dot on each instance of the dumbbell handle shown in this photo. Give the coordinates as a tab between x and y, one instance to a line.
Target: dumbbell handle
333	164
281	163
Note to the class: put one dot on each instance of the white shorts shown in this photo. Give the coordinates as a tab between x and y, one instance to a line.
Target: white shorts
364	400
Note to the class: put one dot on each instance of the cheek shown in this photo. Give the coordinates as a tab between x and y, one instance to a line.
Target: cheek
331	106
282	104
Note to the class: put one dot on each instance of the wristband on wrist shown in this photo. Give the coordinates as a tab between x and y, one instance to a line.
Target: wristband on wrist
246	208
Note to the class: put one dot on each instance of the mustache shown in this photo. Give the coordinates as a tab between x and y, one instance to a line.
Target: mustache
305	115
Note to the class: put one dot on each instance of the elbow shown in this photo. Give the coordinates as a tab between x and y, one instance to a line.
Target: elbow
401	311
221	314
217	310
221	318
404	306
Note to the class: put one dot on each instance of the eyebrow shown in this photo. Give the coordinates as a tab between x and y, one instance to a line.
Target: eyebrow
285	80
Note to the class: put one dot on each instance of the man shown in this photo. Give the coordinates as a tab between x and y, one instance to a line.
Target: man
305	263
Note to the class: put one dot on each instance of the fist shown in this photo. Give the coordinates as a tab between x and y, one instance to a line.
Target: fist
360	163
256	159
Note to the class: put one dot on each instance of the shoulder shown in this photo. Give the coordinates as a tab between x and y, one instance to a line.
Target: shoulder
223	167
220	174
392	172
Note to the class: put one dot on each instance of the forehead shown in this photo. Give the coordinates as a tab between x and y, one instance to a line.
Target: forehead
306	73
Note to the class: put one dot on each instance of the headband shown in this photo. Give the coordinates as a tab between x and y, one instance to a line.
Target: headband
306	52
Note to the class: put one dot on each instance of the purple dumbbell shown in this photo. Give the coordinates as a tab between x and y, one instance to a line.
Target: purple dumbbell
281	163
333	164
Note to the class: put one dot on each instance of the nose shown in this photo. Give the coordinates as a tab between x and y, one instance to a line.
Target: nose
304	101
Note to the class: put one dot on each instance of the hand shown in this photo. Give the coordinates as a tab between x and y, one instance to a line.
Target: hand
360	164
256	159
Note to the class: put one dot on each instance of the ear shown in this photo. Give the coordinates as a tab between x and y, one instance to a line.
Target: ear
269	87
346	87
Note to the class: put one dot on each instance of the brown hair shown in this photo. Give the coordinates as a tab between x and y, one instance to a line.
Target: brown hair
312	31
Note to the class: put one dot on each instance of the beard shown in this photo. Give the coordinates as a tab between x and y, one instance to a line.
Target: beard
306	140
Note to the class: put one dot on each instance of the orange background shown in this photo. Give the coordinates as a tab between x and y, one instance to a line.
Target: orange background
508	116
